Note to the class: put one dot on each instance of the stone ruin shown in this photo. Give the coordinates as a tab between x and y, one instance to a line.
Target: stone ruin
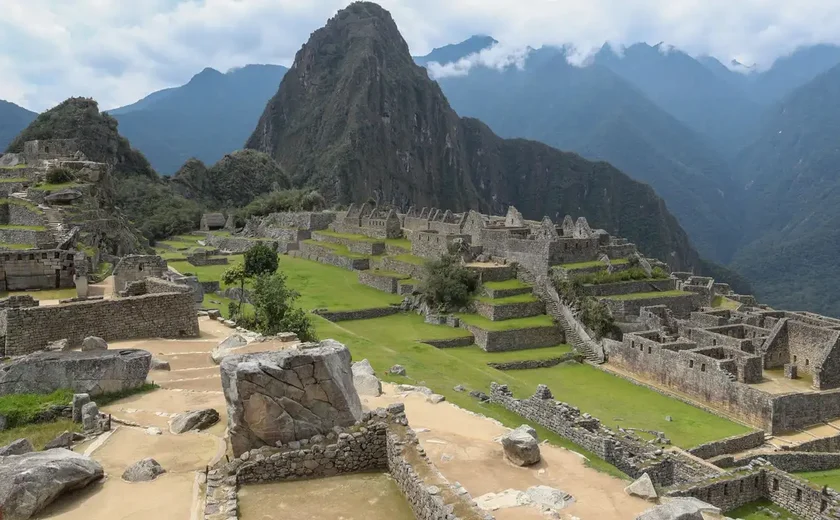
212	221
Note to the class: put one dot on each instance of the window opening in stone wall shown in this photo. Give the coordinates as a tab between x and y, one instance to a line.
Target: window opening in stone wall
56	255
43	256
823	506
714	342
741	487
755	483
725	489
775	484
806	362
690	363
32	257
799	495
650	349
703	367
794	359
140	267
46	149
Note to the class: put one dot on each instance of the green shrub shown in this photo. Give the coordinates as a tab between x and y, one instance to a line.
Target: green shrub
20	409
274	312
627	275
60	176
260	259
448	285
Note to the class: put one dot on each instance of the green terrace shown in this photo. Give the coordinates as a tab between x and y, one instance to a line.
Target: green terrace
646	295
594	263
337	249
410	259
389	274
521	298
507	284
16	247
44	294
761	510
722	302
56	187
20	202
13	179
205	273
15	167
27	228
402	243
481	322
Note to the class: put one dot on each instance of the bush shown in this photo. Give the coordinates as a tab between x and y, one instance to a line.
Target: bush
60	176
260	259
448	285
633	273
597	317
273	304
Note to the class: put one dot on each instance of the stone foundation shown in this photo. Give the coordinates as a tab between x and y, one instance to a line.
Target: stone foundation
362	314
732	444
537	363
681	306
325	255
363	247
418	272
385	283
466	341
504	293
509	311
517	339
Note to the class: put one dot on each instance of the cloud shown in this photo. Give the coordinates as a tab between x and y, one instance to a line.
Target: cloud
498	56
118	51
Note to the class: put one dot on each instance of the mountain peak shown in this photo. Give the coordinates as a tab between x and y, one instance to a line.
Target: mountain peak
455	51
206	76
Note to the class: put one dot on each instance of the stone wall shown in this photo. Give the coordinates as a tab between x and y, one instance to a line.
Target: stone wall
308	220
731	493
26	236
800	497
385	283
241	244
133	268
322	255
37	269
167	315
537	363
635	286
465	341
732	444
508	311
362	247
40	150
504	293
681	306
18	213
201	258
429	244
493	273
418	272
517	339
793	461
362	314
822	445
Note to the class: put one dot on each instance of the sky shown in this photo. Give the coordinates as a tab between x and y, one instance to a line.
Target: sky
118	51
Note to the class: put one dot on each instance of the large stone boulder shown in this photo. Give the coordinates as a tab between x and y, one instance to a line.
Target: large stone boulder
365	380
65	196
197	420
31	481
227	347
642	488
94	372
682	508
521	446
288	395
143	471
64	440
94	343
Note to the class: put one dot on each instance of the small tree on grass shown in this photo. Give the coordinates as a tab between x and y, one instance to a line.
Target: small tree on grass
273	308
260	259
448	285
235	275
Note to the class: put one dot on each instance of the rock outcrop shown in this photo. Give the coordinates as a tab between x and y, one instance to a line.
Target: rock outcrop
65	440
288	395
227	347
642	488
682	508
197	420
94	372
521	446
143	471
31	481
94	343
18	447
365	380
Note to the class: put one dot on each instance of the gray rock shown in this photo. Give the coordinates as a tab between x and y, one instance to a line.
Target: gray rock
481	396
79	400
214	314
94	343
159	364
642	488
58	346
521	447
197	420
397	370
460	388
65	440
228	346
143	471
683	508
18	447
63	196
288	395
90	416
31	481
669	418
287	336
436	398
93	372
548	498
3	423
363	367
368	385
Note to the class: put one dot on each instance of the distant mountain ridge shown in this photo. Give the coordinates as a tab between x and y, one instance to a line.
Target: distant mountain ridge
211	115
13	119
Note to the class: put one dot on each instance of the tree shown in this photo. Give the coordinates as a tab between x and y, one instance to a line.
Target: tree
233	275
273	308
448	284
260	259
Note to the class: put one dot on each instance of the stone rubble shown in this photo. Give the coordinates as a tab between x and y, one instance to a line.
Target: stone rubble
521	446
195	420
143	471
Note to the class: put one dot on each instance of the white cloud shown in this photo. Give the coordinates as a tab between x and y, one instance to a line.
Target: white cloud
498	56
118	51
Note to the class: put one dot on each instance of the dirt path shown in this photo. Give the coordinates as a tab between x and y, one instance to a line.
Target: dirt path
464	447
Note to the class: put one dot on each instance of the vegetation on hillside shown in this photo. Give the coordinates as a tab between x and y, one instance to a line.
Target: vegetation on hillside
280	201
627	275
448	285
592	312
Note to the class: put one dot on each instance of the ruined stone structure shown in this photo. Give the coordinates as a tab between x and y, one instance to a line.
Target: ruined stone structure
39	269
369	220
212	221
134	268
165	310
47	149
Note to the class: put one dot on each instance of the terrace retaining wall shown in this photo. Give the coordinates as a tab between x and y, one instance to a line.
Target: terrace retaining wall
732	444
681	305
635	286
385	283
516	339
415	271
537	363
362	314
465	341
508	311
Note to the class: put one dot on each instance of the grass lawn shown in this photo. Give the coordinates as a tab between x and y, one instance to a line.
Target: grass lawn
21	202
348	236
13	179
507	284
519	323
594	263
519	298
223	307
326	286
390	274
28	228
6	246
38	434
46	294
337	249
15	167
56	187
644	295
21	408
722	302
830	478
410	259
205	273
475	355
392	329
751	512
402	243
